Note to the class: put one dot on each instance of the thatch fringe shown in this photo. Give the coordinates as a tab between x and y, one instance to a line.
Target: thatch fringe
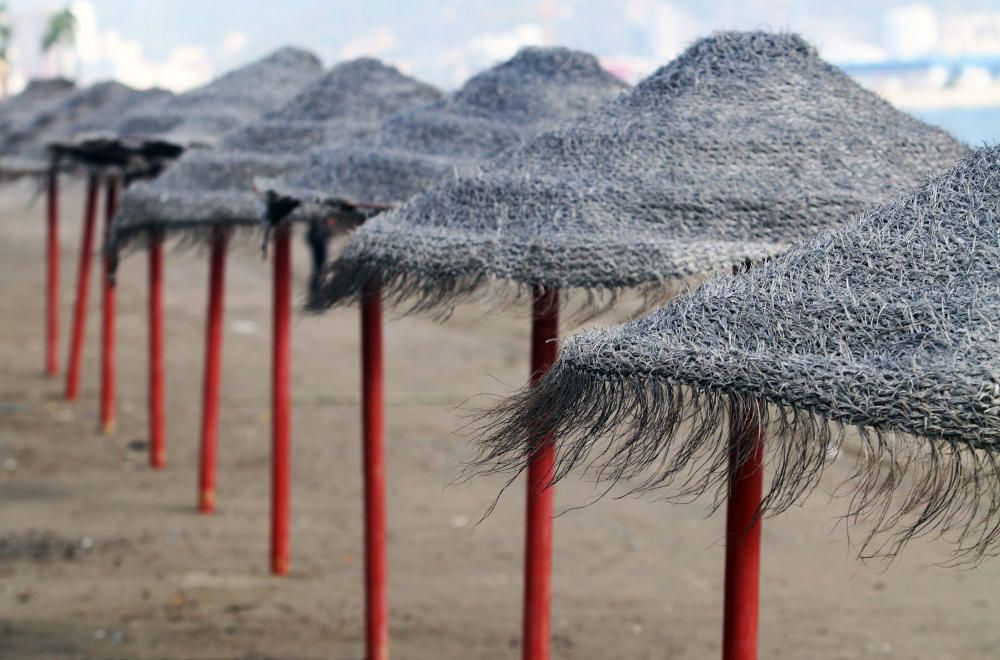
345	282
654	436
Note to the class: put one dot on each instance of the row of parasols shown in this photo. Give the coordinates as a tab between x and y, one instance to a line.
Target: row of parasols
848	257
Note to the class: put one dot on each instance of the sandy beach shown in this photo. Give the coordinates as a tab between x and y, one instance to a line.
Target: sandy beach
101	557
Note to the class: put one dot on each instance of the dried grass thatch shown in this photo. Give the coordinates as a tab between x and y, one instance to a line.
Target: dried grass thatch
890	325
213	187
744	144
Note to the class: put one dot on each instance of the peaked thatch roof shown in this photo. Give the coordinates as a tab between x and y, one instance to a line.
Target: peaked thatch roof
890	324
214	186
37	95
744	144
494	111
200	117
26	148
17	112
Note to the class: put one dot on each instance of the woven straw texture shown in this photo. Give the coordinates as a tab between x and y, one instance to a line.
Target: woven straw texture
200	117
744	144
39	95
212	187
26	150
889	325
494	111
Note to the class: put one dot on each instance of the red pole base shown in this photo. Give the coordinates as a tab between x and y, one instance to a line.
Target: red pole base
82	290
373	428
743	526
213	362
540	494
108	375
157	416
52	276
281	404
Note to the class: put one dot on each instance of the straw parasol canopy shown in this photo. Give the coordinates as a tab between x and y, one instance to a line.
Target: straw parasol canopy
888	325
213	187
36	96
494	111
163	130
25	150
744	144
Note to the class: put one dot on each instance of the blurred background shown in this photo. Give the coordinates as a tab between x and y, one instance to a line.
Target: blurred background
940	60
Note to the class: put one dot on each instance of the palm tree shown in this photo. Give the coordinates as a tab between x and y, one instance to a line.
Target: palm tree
61	31
6	34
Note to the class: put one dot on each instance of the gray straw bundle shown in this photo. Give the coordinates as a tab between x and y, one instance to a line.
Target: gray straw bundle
889	325
744	144
492	112
148	137
19	110
26	149
213	187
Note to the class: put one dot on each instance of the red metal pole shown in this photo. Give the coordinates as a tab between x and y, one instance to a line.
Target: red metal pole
157	417
213	362
540	493
373	425
746	483
52	277
281	403
82	290
108	315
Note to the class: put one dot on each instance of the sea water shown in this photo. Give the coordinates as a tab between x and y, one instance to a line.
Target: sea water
974	126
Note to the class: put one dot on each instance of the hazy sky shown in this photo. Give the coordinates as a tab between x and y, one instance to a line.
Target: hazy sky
180	43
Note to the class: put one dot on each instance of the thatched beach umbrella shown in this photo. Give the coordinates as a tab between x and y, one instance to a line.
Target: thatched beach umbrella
202	116
745	143
142	142
214	187
414	150
25	153
36	91
15	113
208	194
888	325
494	111
25	149
36	97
